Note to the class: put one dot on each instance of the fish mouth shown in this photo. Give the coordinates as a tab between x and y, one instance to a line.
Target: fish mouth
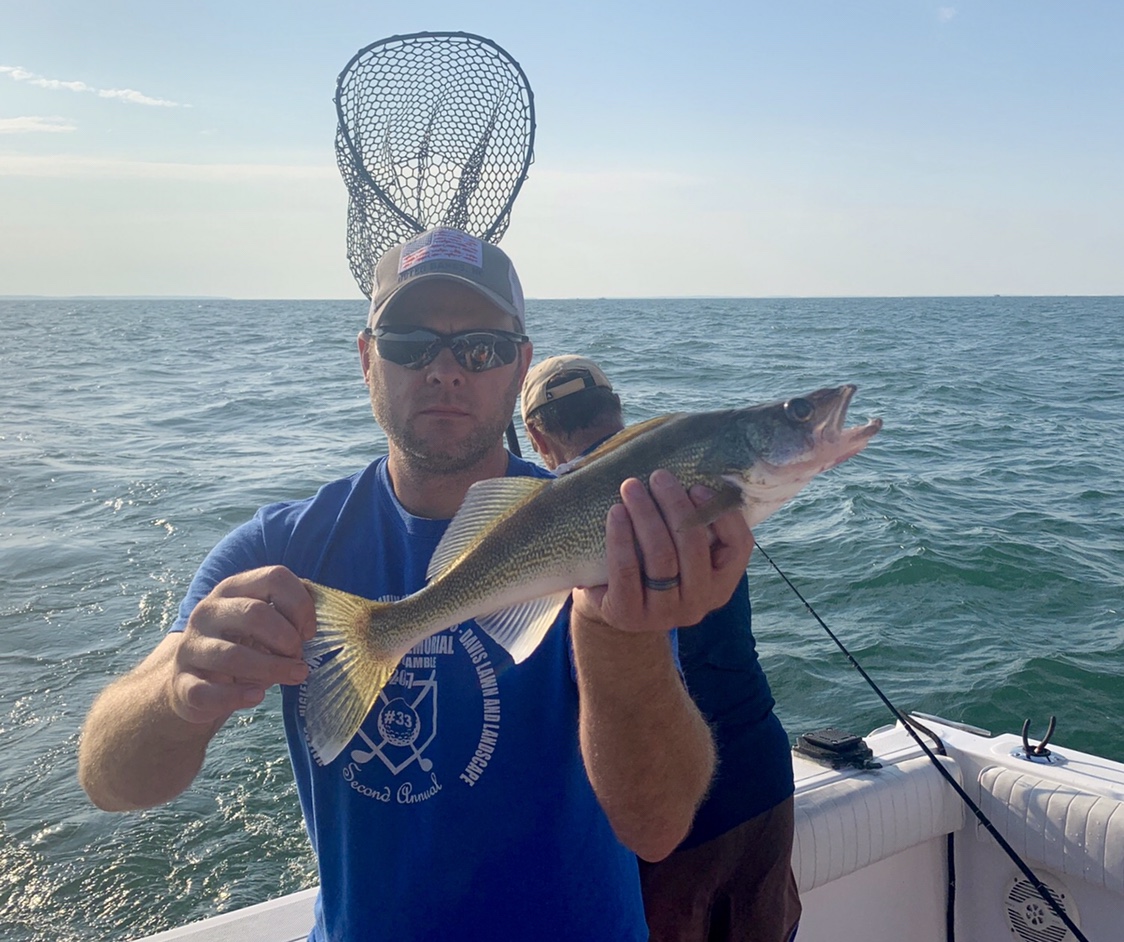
822	442
806	437
845	442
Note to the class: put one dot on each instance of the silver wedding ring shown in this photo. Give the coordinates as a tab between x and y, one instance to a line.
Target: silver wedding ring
661	585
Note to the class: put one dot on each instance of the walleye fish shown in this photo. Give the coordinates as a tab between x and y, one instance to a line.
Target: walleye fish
519	545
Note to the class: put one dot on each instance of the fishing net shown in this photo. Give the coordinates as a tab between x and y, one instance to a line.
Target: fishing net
435	129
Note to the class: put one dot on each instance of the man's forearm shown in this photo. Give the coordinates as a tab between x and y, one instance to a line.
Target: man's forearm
648	752
135	752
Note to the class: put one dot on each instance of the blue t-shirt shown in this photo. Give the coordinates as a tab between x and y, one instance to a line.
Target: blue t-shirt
726	681
461	809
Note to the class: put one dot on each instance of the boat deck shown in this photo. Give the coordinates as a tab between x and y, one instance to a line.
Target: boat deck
871	851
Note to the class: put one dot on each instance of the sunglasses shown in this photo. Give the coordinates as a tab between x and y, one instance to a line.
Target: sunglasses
475	350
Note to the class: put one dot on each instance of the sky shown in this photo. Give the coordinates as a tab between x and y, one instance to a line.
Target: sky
739	148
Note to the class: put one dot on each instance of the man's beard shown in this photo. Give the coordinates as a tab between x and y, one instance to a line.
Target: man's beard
439	456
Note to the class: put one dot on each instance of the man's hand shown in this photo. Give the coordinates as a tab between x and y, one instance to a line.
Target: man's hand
146	734
650	539
647	749
240	640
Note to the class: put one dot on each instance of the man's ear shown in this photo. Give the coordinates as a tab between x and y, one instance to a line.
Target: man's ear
364	355
526	352
541	444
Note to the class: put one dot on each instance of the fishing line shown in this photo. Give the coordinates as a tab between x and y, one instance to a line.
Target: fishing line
909	724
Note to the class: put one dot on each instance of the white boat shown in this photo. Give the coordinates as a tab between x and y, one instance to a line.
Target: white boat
871	851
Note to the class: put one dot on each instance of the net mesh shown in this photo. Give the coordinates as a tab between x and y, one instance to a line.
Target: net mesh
435	129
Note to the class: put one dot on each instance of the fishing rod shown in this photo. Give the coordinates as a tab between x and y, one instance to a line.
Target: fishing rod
909	724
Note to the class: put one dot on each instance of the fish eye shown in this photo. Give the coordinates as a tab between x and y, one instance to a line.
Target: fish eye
799	410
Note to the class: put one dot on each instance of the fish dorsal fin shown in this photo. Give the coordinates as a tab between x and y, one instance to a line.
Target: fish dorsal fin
623	437
519	629
485	503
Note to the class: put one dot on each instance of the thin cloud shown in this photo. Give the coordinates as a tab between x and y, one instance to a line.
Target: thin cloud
136	98
95	168
121	94
32	124
944	14
613	181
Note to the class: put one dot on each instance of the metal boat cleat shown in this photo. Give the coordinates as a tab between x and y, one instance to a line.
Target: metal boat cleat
1038	753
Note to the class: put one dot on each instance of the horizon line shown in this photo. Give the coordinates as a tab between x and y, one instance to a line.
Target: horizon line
603	297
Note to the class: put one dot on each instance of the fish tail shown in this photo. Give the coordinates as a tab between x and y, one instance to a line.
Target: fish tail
348	669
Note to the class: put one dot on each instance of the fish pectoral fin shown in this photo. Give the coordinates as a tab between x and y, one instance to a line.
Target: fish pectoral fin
485	503
521	628
348	669
727	497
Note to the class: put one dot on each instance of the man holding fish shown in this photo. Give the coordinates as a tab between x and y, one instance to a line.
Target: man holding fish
484	750
474	798
731	878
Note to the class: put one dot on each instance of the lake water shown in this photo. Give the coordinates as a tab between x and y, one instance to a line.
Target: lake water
972	558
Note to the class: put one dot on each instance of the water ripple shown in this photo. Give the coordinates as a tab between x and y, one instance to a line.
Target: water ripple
972	558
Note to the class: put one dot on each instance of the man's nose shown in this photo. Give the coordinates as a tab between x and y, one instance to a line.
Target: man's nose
445	369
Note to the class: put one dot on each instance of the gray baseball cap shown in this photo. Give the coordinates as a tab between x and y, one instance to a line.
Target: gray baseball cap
454	256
